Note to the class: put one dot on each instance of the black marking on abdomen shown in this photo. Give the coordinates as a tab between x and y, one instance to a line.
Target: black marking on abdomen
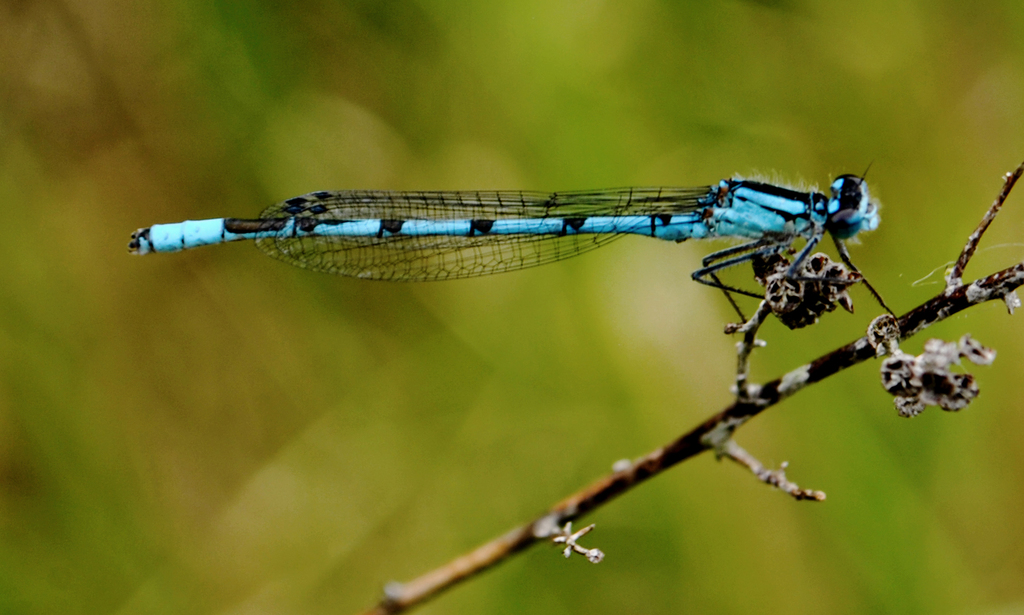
480	226
571	223
391	226
323	194
238	227
665	219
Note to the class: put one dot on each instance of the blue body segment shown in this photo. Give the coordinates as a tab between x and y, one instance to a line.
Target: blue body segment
195	233
192	234
442	235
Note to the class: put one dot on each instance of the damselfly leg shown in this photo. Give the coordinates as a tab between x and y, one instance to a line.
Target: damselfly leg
724	259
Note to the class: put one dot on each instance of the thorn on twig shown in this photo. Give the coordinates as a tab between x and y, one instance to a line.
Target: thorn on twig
775	478
821	287
926	380
567	537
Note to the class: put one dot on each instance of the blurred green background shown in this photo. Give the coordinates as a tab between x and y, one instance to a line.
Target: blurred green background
217	432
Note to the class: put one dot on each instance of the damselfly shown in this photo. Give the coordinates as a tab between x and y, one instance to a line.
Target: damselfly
417	236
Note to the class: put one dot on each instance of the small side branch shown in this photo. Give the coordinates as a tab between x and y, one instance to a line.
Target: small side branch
955	276
744	391
775	478
569	538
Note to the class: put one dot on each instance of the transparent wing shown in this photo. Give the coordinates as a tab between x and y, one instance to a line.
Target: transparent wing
488	205
427	258
423	258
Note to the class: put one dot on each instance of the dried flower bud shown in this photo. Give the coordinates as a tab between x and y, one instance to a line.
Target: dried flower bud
820	286
926	380
884	334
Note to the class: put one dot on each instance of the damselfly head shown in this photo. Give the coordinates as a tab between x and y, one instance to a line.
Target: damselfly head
850	209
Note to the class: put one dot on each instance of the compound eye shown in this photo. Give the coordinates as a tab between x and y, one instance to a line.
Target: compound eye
848	193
